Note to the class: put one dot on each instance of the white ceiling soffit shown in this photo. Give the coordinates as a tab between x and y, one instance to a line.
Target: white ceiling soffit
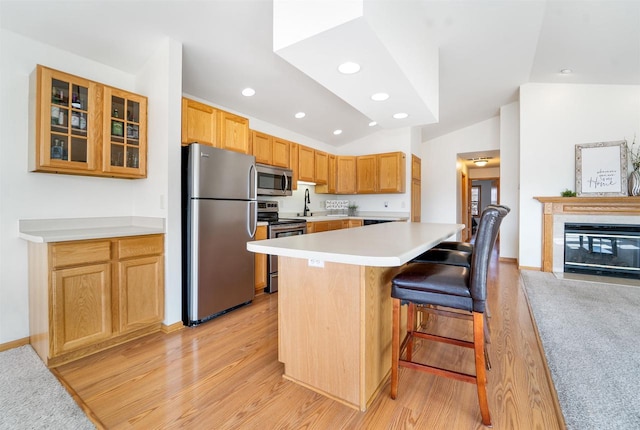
384	38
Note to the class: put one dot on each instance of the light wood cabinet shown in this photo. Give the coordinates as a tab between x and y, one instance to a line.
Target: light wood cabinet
346	175
82	127
86	296
330	186
199	123
260	274
366	180
125	133
381	173
416	167
207	125
390	172
306	164
293	164
355	223
233	132
321	160
262	147
281	152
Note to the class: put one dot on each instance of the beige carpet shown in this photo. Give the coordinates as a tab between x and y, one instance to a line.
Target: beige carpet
590	332
32	398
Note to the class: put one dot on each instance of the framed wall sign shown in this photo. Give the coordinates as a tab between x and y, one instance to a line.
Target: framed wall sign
601	169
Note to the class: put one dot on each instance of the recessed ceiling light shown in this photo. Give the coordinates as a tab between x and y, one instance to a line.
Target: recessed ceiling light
566	71
337	132
380	97
349	68
300	115
400	115
373	124
248	92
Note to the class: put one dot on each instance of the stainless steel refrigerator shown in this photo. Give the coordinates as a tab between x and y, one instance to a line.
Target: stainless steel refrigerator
219	216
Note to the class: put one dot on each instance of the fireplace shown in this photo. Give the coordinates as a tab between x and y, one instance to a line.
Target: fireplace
602	249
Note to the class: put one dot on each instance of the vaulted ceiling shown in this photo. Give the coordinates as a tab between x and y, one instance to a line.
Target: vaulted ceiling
486	50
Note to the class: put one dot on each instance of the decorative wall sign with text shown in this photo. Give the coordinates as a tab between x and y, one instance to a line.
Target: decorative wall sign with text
601	169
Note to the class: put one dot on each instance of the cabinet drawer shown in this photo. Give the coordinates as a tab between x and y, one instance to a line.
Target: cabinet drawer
140	245
80	253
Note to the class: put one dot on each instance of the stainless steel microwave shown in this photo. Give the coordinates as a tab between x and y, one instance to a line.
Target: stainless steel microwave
273	181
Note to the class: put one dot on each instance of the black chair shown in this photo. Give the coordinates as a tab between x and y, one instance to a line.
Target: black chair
463	291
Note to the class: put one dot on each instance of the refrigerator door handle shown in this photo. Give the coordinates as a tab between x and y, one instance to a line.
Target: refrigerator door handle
252	218
253	182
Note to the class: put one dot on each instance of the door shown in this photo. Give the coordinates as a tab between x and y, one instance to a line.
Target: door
221	270
217	173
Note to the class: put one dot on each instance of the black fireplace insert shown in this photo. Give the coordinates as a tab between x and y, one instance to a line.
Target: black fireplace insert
602	249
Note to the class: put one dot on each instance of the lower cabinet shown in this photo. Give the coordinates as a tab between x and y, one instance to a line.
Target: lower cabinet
86	296
260	274
319	226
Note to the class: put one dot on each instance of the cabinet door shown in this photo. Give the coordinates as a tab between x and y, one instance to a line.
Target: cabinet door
416	200
321	160
391	172
81	307
68	127
281	152
346	175
125	134
293	164
199	123
233	132
366	174
140	292
319	226
260	281
262	147
306	164
416	167
335	225
355	223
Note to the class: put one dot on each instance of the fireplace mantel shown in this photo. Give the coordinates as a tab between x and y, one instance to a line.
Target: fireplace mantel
552	206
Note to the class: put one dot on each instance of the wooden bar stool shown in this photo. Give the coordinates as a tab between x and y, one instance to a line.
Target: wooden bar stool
449	290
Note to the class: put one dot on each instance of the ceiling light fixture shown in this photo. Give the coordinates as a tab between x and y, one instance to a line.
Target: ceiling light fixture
380	97
566	71
337	132
373	124
248	92
480	162
400	115
300	115
349	68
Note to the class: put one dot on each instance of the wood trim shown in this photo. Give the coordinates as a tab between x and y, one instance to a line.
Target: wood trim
552	206
85	408
176	326
552	388
14	344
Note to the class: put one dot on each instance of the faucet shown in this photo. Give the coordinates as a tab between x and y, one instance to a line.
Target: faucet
306	200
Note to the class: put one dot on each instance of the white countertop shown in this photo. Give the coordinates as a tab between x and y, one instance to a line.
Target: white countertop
383	245
66	229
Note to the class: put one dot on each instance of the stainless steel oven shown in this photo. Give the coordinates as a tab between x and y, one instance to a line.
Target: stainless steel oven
278	227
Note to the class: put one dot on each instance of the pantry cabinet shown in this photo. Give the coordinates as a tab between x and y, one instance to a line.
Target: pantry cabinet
85	128
89	295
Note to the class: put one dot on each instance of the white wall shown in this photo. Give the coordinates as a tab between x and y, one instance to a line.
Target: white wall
440	170
28	195
553	119
510	178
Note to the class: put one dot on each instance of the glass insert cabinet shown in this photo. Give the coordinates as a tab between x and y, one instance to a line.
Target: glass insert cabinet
86	128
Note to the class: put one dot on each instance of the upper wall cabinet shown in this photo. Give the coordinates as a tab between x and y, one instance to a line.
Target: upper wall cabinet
391	172
85	128
210	126
198	123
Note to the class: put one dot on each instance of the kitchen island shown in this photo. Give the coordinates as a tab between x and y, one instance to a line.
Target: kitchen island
334	303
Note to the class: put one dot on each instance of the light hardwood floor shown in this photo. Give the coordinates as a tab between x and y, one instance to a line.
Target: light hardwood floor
225	374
